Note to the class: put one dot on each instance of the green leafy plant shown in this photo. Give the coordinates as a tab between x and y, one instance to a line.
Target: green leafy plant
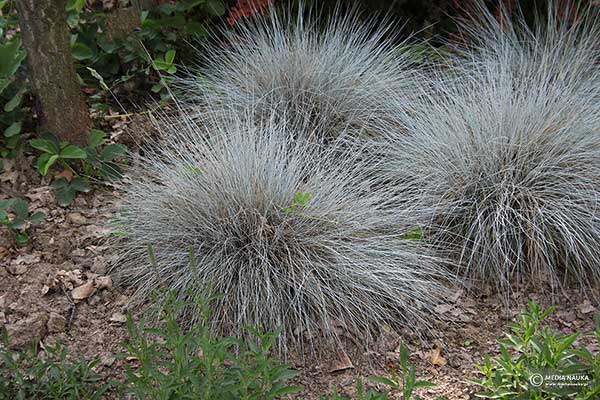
12	82
403	379
54	152
14	215
361	394
531	351
67	191
144	55
25	375
100	160
174	363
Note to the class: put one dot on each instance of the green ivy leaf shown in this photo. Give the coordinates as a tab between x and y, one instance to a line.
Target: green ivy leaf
15	101
13	130
81	51
11	57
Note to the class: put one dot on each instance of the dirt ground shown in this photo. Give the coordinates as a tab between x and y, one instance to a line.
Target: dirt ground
68	251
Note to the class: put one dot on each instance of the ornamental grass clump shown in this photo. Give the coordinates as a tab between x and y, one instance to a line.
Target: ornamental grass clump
506	154
288	233
339	72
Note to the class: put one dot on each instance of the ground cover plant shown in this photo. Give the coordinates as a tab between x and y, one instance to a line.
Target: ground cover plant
531	352
507	154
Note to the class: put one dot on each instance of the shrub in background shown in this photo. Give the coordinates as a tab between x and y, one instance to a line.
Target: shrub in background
291	235
507	153
340	72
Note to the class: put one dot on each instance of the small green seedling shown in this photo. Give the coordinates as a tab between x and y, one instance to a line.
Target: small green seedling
415	234
301	199
404	379
19	209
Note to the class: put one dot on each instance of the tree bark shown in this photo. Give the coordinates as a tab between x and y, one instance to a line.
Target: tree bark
62	107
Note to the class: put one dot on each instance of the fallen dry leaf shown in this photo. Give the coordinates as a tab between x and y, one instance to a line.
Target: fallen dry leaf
84	291
436	356
342	363
104	282
587	307
118	317
17	269
67	174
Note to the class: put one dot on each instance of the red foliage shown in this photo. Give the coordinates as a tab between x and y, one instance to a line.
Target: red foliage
247	8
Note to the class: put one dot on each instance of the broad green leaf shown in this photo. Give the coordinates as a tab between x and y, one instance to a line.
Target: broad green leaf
215	7
37	217
96	138
170	56
6	203
111	171
80	185
81	51
11	57
21	208
60	183
15	101
45	161
195	28
112	151
21	238
4	82
72	151
383	380
13	130
44	145
75	5
65	195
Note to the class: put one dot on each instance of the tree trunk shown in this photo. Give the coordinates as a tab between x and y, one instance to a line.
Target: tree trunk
63	110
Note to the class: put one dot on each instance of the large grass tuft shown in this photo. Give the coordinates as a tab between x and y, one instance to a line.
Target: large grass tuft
507	152
339	73
291	235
